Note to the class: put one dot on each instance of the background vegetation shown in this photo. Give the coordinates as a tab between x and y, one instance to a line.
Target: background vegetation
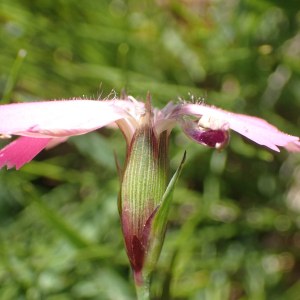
234	225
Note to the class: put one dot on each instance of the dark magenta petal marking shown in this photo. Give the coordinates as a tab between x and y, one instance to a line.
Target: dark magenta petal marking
210	138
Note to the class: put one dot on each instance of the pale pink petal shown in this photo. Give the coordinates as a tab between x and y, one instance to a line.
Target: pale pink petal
256	129
21	151
57	118
293	146
54	142
131	105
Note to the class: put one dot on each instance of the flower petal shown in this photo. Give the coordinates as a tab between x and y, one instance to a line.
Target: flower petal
21	151
54	142
293	146
255	129
211	133
57	118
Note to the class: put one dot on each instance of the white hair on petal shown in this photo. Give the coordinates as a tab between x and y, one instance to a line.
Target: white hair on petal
193	100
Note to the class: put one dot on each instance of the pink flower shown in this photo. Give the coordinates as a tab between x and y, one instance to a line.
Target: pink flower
45	124
146	193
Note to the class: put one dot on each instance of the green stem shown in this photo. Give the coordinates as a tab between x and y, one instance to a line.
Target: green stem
142	292
142	287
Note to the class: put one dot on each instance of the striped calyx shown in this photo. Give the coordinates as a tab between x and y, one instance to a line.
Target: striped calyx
144	183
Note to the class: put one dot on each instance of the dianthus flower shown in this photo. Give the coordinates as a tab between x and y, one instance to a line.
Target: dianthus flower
146	192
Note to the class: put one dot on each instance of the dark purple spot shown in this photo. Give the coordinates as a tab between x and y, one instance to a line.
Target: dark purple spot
211	137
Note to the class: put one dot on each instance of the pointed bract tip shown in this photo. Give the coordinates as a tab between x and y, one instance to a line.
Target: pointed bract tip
147	117
148	103
184	157
183	160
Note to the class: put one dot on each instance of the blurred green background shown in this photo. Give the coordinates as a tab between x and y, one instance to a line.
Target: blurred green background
234	224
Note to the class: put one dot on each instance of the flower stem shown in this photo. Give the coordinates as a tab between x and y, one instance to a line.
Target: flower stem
142	287
143	292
